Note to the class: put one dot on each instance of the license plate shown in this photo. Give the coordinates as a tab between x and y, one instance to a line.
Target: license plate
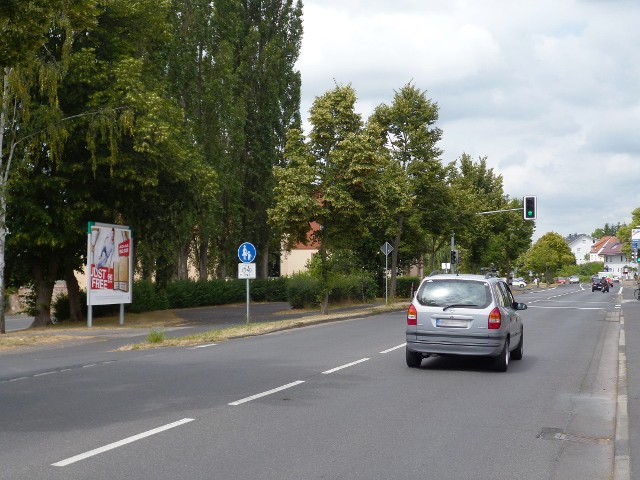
451	323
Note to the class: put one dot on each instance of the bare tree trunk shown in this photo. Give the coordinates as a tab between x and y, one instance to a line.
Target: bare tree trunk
5	165
264	263
76	312
43	290
324	276
203	259
183	263
394	258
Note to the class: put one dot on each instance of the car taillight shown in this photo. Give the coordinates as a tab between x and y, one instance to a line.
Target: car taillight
495	319
412	315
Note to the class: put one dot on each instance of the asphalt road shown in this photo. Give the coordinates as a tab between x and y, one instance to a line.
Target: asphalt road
14	323
333	401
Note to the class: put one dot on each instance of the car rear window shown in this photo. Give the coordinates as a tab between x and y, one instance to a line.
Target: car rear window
442	293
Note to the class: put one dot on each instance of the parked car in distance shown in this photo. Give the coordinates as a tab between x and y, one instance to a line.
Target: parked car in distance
518	282
574	279
561	281
464	315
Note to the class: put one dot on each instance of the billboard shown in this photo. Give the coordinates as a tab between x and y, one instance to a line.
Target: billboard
109	264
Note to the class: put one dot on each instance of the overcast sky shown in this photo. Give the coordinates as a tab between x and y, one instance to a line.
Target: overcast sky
547	90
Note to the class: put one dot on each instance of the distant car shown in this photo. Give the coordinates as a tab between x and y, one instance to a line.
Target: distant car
574	279
562	281
595	284
518	282
464	315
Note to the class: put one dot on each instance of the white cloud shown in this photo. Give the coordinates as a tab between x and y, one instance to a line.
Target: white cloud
546	90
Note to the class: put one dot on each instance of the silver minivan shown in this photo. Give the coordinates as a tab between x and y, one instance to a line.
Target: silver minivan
455	314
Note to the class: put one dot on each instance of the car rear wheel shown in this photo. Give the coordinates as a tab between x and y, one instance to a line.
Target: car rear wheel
414	359
519	351
501	362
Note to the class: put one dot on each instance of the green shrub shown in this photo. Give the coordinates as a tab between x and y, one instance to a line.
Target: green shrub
406	286
145	298
269	290
190	293
352	288
303	291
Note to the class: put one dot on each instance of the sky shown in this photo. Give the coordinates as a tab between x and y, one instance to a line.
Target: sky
547	90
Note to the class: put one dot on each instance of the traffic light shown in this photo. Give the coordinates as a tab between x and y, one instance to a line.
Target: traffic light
454	257
530	206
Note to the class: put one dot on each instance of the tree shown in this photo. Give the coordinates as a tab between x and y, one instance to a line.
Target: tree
624	232
29	68
331	179
607	230
548	254
148	175
495	239
411	137
232	65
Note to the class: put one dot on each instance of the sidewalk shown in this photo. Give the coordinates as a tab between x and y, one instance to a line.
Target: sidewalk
627	447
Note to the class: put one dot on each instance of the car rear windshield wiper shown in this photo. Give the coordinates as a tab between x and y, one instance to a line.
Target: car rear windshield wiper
460	305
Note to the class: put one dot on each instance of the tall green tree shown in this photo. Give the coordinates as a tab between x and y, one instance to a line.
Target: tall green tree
624	232
607	230
495	239
331	179
29	69
271	46
149	175
547	255
408	126
232	65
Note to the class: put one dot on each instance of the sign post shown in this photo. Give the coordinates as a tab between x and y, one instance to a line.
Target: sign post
247	269
386	249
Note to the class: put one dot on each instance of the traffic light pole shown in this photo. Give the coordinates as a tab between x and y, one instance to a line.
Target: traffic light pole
453	247
498	211
529	208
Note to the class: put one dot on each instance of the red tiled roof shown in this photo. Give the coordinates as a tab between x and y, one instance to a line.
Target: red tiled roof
607	245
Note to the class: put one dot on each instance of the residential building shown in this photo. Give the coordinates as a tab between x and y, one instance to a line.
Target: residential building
580	245
296	260
609	251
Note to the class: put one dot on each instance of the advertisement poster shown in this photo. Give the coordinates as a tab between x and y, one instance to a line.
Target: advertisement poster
110	266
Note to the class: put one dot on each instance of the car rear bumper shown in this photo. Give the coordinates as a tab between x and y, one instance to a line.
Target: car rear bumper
456	344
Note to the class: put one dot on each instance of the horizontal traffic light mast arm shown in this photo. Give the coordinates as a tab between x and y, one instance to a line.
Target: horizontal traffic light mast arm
498	211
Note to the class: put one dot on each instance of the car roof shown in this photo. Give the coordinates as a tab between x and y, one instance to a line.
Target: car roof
461	276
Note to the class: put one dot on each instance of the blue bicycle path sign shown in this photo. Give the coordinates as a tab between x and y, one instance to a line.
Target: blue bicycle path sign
246	252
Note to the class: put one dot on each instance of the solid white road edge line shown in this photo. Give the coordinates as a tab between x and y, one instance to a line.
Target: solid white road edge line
394	348
203	346
345	366
120	443
571	308
264	394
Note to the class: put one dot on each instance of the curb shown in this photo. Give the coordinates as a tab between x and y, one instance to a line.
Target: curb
622	458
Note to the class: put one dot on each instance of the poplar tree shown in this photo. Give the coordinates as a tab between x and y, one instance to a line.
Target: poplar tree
232	67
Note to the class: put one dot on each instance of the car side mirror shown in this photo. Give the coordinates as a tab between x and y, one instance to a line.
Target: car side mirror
519	306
